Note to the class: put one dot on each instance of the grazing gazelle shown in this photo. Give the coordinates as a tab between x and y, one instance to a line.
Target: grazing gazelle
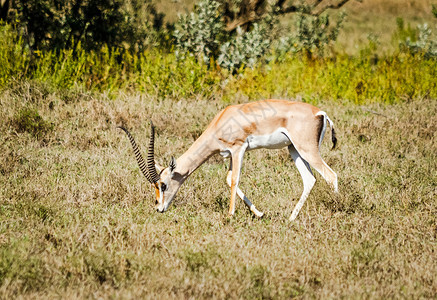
271	124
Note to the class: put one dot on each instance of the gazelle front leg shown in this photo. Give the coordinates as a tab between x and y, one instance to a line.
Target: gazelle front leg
236	162
242	196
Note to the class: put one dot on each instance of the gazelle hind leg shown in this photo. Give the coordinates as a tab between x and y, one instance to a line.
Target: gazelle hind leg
307	177
242	196
327	173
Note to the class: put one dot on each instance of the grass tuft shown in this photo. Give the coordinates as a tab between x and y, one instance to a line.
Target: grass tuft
29	120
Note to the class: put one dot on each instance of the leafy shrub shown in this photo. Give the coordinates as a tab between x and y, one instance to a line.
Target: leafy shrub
426	43
50	24
420	41
312	35
246	48
201	33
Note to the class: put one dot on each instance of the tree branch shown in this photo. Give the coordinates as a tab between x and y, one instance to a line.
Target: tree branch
313	9
329	6
251	11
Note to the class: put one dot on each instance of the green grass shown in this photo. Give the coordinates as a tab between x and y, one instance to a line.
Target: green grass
343	79
77	217
363	78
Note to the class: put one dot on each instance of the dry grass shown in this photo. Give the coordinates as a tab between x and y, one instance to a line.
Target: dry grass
77	217
378	18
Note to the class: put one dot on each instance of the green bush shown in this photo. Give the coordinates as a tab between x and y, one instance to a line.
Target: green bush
50	24
311	35
246	48
106	69
425	44
201	33
419	41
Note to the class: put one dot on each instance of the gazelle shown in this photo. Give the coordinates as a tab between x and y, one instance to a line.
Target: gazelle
271	124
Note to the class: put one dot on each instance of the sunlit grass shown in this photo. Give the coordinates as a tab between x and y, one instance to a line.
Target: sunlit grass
77	217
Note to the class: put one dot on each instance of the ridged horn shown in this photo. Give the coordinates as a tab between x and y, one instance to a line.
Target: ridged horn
138	156
151	155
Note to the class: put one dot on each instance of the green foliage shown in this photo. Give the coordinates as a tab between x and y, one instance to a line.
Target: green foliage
201	33
312	35
246	48
29	120
106	69
165	75
417	41
426	43
363	78
51	24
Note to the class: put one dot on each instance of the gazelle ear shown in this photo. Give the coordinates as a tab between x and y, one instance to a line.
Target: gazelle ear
159	168
172	165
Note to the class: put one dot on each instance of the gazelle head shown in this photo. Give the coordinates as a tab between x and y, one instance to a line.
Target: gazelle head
166	187
166	184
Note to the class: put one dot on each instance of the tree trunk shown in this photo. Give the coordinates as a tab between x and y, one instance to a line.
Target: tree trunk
4	9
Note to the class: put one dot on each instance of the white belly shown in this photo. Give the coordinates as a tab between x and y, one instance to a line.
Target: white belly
276	140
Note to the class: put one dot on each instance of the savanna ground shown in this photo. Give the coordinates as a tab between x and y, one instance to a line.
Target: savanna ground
78	218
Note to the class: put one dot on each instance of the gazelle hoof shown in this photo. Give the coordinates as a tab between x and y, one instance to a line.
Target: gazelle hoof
292	217
256	212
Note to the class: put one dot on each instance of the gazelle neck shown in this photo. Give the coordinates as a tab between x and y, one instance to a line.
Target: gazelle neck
199	152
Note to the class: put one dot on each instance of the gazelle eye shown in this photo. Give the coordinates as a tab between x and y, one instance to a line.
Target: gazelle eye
163	187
